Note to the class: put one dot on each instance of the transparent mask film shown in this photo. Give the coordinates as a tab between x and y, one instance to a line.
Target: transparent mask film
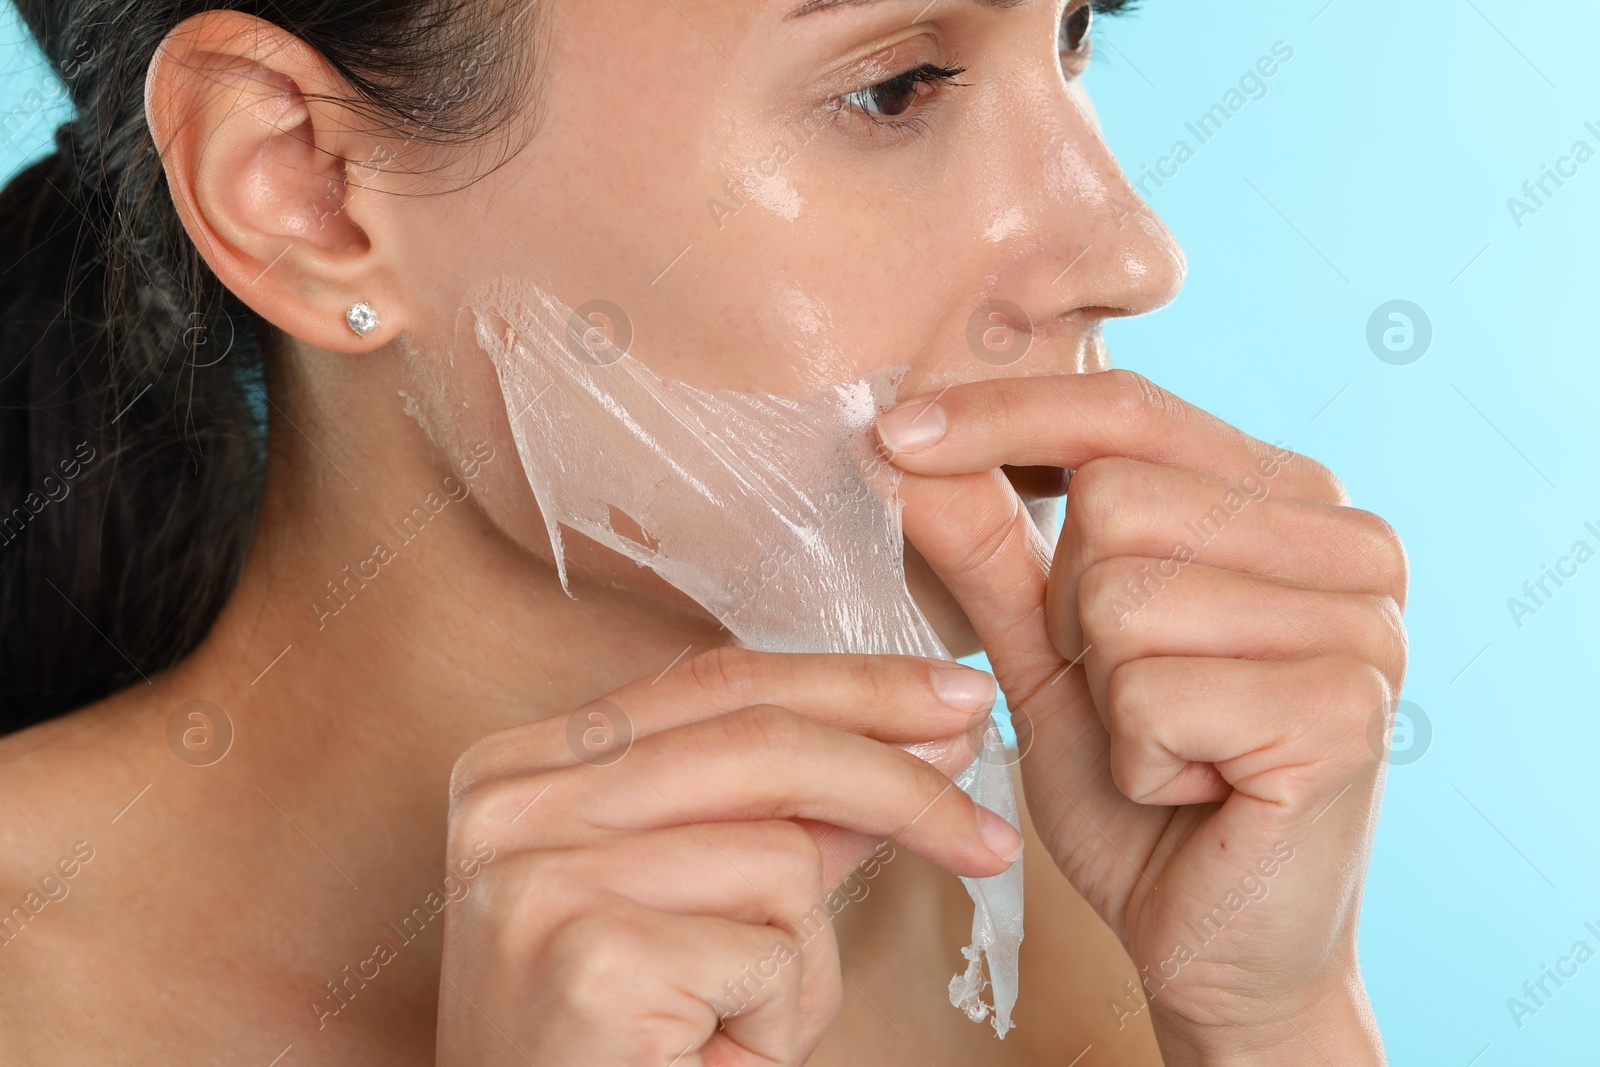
775	514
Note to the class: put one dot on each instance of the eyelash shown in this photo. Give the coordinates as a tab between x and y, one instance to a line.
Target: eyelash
940	77
936	75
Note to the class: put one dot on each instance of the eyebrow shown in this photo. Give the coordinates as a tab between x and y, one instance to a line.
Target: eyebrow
811	7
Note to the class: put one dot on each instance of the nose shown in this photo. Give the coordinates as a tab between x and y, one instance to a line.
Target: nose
1069	242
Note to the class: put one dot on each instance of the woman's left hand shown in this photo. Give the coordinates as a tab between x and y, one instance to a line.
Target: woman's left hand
1200	679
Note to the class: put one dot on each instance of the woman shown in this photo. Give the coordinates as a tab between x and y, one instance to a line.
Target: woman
377	843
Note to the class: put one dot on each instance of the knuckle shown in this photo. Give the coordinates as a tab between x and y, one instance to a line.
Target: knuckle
922	784
951	755
992	539
516	749
1134	396
1096	584
728	669
463	772
1399	639
468	770
1122	774
1384	634
1111	595
997	404
487	808
1322	482
593	958
798	846
1332	689
1100	496
784	945
534	891
1373	689
469	811
879	676
1356	697
1128	771
797	860
1128	696
764	734
654	1041
1386	551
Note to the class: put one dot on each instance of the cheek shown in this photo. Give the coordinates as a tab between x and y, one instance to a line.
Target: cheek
454	400
751	255
803	324
1080	96
457	404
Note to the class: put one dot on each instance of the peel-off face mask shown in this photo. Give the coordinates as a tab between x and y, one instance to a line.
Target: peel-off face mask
776	515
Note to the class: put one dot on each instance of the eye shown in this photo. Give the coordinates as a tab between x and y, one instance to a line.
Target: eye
1074	33
898	95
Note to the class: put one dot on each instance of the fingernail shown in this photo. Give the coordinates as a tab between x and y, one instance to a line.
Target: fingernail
964	688
1001	837
912	426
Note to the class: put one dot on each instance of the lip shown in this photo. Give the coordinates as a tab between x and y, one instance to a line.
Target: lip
1038	483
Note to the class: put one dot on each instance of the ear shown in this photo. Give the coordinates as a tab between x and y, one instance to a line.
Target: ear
256	164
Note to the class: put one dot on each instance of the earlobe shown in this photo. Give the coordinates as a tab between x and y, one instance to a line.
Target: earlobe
254	146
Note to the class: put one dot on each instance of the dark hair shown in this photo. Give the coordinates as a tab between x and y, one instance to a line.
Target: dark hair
132	382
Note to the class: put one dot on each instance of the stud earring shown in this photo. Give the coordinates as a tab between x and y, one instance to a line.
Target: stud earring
361	319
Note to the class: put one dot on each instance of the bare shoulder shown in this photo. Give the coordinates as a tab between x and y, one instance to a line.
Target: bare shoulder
57	776
59	782
60	786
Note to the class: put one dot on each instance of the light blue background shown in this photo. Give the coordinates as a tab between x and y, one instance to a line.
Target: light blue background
1378	167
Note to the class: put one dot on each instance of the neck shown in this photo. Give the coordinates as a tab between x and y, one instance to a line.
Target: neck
382	624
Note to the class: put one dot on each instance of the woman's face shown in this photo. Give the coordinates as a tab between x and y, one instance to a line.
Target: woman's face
781	195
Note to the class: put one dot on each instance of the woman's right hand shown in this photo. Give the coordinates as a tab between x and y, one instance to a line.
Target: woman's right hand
635	888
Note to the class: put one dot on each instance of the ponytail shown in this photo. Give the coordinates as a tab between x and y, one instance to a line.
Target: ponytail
130	451
132	382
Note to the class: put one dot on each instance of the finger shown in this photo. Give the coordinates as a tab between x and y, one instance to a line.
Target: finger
1123	507
897	699
977	537
767	873
762	762
888	698
635	986
1288	733
1067	420
1129	611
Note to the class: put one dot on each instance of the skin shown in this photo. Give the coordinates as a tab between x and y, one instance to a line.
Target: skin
1171	752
